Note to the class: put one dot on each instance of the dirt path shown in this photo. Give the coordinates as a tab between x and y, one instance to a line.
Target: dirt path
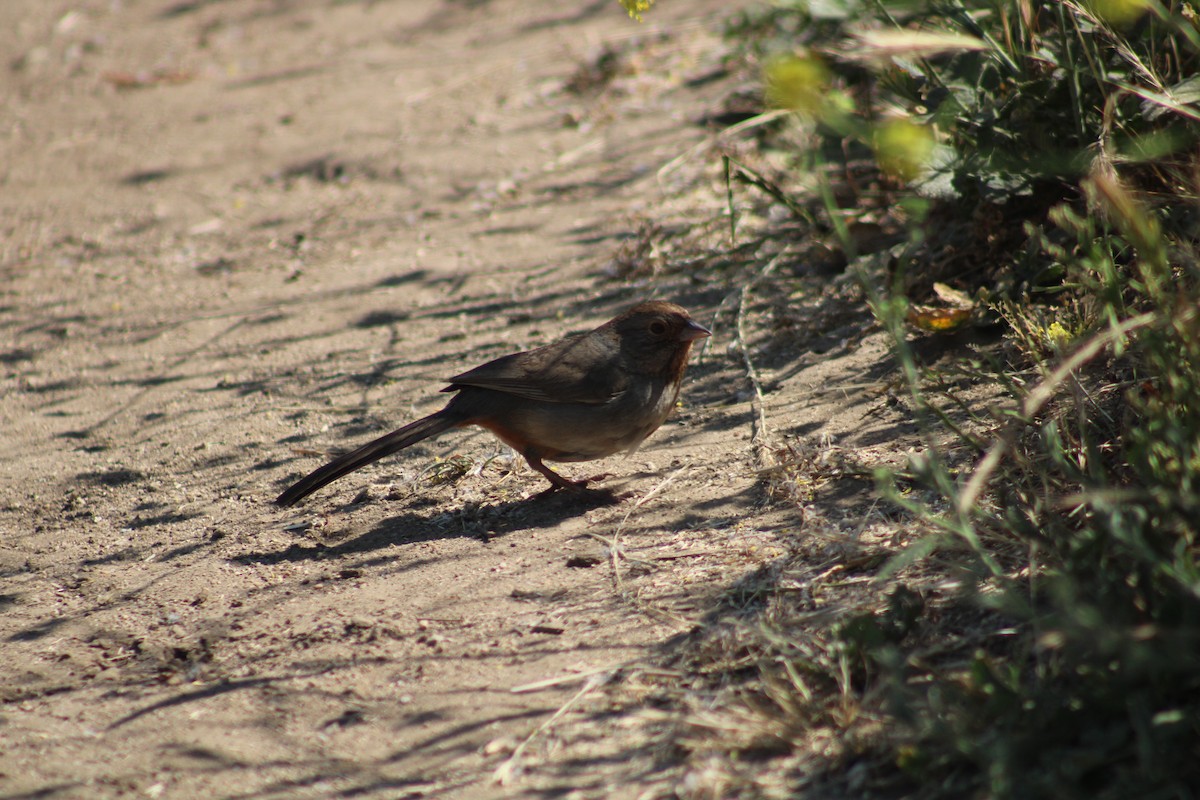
240	233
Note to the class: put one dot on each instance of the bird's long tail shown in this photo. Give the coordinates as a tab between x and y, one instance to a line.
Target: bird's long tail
383	446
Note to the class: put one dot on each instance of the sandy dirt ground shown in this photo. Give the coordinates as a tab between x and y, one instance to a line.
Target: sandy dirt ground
239	235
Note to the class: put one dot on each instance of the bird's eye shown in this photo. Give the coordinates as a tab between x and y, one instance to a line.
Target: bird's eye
658	327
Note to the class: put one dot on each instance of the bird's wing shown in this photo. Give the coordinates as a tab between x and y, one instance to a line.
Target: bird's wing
575	370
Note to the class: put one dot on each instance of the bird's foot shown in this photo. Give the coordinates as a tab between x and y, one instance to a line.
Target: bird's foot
580	485
580	489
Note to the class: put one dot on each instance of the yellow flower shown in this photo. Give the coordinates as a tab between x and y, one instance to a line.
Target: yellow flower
1119	12
903	147
798	83
1058	335
636	8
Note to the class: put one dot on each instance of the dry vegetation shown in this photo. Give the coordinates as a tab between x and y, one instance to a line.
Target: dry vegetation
1012	190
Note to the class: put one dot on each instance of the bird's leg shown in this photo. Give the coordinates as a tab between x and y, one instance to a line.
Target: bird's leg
556	481
579	487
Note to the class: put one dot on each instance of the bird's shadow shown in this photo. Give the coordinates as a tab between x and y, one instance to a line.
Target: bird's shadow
482	521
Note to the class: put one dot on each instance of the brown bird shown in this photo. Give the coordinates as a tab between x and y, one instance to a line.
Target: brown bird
584	397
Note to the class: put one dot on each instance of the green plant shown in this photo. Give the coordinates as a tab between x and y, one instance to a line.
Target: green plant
1061	138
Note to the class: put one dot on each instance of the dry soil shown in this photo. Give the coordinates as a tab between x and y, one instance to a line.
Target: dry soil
238	235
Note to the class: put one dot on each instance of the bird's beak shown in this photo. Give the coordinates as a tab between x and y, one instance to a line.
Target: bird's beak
693	331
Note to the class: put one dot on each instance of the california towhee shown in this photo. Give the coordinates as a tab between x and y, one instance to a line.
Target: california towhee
585	397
